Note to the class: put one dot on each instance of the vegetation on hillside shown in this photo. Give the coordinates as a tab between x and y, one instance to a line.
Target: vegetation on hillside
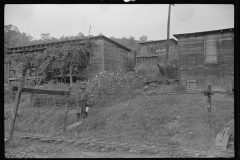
13	38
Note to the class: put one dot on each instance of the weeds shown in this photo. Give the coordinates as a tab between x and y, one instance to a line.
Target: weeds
168	120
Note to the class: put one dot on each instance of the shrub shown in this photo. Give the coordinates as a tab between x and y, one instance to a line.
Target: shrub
115	82
151	73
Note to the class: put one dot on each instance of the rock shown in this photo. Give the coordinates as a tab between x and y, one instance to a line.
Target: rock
145	88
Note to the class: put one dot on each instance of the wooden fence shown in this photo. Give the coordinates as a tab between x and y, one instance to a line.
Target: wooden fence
40	100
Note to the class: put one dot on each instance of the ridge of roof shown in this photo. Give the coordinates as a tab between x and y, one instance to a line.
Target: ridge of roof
176	35
90	37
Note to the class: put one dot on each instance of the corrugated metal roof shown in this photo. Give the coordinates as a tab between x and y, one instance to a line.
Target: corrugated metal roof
212	31
157	41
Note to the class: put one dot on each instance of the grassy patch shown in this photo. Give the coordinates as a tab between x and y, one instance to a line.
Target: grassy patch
161	119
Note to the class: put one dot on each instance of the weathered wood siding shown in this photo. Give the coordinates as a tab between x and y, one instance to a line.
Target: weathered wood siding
193	64
159	48
115	58
148	60
95	61
107	55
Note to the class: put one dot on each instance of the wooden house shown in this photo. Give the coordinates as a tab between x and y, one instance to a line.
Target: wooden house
207	58
153	52
108	56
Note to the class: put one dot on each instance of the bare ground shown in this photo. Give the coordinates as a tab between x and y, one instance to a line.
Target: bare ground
37	149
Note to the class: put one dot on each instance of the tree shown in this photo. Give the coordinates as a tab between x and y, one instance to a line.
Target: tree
9	31
24	39
132	40
66	59
143	38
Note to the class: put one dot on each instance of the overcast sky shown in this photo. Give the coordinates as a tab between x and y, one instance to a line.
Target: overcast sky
118	20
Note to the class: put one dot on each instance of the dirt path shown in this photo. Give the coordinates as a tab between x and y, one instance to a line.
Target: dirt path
37	149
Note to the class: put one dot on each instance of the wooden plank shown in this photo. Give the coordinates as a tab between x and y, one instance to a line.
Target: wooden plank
226	50
229	71
226	62
195	49
191	42
192	52
226	46
190	39
225	42
183	76
40	91
191	45
183	49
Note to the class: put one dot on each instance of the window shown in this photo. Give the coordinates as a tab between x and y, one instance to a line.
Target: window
211	52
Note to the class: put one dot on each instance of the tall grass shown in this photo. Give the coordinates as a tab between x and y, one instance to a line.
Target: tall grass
151	73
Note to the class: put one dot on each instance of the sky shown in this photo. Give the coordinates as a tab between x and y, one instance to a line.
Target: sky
118	20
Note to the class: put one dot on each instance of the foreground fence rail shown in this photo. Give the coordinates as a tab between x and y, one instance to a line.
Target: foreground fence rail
58	98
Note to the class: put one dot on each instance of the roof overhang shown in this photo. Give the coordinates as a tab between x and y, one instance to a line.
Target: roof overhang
157	41
85	38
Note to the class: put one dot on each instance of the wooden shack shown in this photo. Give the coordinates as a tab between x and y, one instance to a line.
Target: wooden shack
207	58
153	52
108	56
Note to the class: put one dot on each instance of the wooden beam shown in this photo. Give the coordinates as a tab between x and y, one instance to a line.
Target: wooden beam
41	91
178	64
15	107
102	50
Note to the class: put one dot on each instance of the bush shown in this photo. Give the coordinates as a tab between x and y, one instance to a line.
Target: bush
130	65
151	73
115	82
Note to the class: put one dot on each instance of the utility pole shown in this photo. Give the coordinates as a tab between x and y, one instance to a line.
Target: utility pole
168	28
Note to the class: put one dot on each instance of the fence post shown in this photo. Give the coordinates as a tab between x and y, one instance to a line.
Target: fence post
77	101
16	104
209	93
54	101
32	100
66	109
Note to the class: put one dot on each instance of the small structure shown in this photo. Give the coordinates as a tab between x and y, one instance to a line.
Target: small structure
207	58
108	56
153	52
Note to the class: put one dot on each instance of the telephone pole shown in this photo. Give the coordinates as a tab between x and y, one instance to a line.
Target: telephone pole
168	28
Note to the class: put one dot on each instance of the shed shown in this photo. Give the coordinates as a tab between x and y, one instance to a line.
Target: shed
154	52
207	58
108	56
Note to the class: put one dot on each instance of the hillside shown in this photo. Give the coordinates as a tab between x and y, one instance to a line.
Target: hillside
179	120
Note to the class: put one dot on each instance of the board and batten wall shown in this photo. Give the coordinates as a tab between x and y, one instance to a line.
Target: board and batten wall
193	65
115	58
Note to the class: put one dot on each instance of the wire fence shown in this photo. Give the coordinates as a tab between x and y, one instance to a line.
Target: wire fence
41	100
